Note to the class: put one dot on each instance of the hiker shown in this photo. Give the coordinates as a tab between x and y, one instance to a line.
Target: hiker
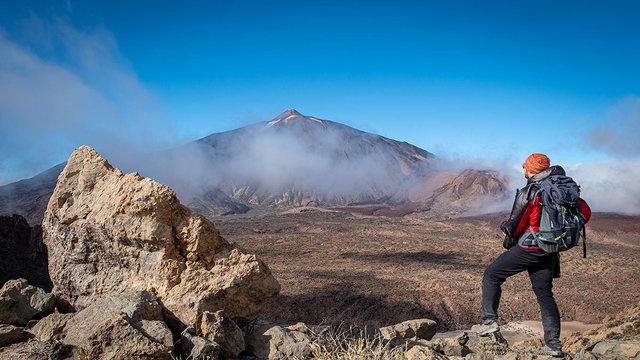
524	254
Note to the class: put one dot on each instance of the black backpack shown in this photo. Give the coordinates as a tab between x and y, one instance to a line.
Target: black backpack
561	221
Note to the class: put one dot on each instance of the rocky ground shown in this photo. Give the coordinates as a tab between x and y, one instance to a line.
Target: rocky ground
334	265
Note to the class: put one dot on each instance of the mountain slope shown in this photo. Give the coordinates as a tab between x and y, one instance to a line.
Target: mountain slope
290	161
295	160
29	197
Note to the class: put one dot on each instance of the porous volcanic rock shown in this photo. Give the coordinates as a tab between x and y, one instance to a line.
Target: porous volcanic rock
51	327
423	353
219	328
272	342
113	233
41	350
192	346
410	329
21	302
121	327
617	350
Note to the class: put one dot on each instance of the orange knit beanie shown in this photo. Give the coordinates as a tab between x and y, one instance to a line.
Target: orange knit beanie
536	163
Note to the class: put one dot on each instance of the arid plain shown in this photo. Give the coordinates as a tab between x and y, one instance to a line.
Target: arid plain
338	265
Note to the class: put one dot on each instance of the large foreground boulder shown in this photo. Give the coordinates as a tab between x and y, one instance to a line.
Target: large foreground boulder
110	233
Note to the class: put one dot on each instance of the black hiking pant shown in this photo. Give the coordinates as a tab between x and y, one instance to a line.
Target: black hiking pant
541	271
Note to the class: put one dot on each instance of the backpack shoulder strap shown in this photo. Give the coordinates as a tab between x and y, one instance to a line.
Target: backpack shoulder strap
534	190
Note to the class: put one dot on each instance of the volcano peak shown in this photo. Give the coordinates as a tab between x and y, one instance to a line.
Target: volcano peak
291	112
288	115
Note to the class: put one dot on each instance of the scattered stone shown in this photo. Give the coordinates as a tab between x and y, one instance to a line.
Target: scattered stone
41	350
410	329
121	327
423	353
480	356
10	334
463	338
585	355
109	233
62	351
272	342
219	328
617	350
51	327
451	346
301	327
21	302
494	343
192	346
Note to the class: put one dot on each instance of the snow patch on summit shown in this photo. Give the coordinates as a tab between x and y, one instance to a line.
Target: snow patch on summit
290	115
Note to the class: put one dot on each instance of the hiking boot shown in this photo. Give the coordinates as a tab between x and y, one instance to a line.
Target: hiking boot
488	327
557	353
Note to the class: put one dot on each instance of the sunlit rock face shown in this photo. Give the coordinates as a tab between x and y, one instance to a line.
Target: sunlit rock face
111	233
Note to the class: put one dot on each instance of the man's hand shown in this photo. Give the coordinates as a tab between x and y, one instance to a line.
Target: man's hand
503	227
509	242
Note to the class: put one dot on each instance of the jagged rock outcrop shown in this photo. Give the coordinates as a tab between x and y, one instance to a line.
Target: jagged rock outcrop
22	252
21	302
113	233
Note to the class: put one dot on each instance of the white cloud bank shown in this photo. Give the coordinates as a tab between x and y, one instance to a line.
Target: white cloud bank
610	186
607	186
66	89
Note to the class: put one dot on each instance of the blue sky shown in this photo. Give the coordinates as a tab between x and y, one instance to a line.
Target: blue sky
463	79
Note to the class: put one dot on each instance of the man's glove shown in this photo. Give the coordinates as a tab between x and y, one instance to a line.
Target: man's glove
503	227
509	242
